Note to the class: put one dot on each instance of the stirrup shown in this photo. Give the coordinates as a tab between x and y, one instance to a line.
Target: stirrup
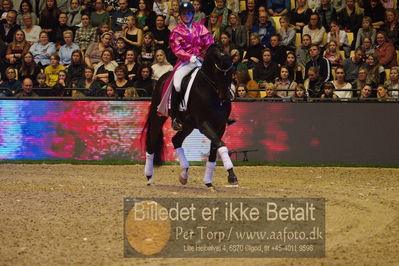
176	125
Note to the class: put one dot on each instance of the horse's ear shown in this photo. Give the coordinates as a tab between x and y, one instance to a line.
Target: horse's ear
212	48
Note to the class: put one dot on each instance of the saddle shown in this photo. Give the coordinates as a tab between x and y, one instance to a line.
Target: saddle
186	86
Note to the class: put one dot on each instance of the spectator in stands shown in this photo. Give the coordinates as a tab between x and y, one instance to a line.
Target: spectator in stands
120	51
361	80
236	60
270	90
340	37
199	16
264	28
171	19
74	15
317	60
100	15
86	34
131	93
279	52
60	29
294	70
382	93
132	35
340	85
278	8
299	94
287	33
283	82
41	83
393	83
333	55
367	46
11	85
237	32
49	18
254	51
144	80
313	84
42	50
131	64
29	68
147	53
385	51
27	86
225	43
53	69
315	29
94	51
59	88
16	49
105	69
121	82
376	12
214	26
242	91
76	67
25	8
249	16
242	76
352	65
8	27
391	27
326	13
338	5
145	16
350	19
161	33
110	91
365	92
93	87
222	11
66	50
328	92
302	51
376	72
266	70
119	17
366	30
6	6
111	5
160	65
31	31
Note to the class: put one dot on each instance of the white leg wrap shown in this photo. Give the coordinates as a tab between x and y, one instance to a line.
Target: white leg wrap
224	154
149	164
209	170
182	158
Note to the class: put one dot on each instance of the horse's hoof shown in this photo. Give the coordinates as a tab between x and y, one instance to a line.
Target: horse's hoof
211	188
150	181
183	176
233	181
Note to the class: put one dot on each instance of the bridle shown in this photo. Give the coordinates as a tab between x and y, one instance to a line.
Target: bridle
224	70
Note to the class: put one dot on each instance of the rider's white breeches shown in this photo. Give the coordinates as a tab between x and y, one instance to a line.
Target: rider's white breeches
180	74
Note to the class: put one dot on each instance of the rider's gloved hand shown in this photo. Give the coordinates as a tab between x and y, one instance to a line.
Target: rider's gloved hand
193	59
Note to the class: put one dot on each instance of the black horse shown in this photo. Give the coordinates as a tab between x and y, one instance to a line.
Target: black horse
208	109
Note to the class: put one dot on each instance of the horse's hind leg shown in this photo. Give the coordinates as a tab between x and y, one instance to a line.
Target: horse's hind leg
210	168
177	141
221	148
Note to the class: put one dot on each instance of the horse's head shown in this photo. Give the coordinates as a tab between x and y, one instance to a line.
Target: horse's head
219	68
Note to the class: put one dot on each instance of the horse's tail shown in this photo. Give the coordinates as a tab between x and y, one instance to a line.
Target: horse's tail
152	130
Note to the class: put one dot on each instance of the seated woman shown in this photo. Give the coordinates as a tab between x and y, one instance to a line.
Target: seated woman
131	92
393	83
131	64
11	85
382	93
366	30
111	92
333	55
365	92
313	84
342	88
340	37
42	50
86	34
241	91
67	49
31	31
287	33
121	81
328	92
315	29
368	47
376	73
16	49
76	68
105	69
160	65
93	87
132	35
300	94
95	50
391	27
144	81
385	51
270	90
300	15
295	70
254	51
237	32
361	80
29	68
284	83
225	43
59	88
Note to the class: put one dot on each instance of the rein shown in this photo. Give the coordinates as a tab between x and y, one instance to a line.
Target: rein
224	70
212	83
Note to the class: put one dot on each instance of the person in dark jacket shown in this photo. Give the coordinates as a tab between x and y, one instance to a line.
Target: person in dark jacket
319	61
266	70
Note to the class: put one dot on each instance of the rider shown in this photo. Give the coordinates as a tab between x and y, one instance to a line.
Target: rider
189	42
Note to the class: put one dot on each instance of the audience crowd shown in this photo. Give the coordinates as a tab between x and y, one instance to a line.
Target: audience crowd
333	49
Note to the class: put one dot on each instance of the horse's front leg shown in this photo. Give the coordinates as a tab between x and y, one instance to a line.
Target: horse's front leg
221	148
177	141
210	168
